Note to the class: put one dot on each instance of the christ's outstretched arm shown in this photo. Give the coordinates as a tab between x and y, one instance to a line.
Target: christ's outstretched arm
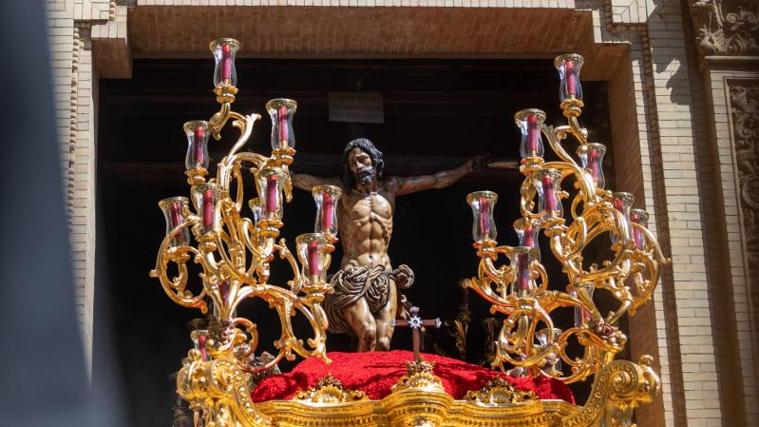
308	182
439	180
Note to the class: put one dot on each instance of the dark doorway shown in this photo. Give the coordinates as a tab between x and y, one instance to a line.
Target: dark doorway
437	114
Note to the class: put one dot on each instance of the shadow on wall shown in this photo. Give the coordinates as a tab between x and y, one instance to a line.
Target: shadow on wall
44	379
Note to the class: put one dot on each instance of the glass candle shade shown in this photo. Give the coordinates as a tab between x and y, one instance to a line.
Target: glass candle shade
269	182
569	66
530	123
482	203
327	198
527	232
582	316
640	217
205	198
281	111
197	144
312	253
591	158
224	53
521	259
623	202
548	184
256	209
173	211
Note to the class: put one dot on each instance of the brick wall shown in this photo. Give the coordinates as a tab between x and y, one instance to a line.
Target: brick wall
676	190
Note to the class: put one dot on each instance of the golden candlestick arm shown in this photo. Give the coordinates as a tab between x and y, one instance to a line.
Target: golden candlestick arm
519	289
234	252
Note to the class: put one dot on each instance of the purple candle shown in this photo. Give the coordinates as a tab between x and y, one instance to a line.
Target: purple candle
202	347
226	62
272	194
314	258
594	161
283	128
639	216
484	217
549	195
176	213
208	208
523	272
224	289
328	211
199	136
533	134
623	203
619	204
529	235
571	77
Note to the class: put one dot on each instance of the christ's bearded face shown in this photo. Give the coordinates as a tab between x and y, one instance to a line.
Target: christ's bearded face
361	166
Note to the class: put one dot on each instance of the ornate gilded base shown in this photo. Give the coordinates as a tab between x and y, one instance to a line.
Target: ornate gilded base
219	393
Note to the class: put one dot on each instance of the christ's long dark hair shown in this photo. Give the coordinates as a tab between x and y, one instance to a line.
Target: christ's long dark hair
367	147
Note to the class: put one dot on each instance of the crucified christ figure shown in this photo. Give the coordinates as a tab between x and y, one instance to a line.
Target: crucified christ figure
365	298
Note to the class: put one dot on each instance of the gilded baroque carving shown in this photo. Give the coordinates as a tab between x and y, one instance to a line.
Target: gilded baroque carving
420	376
329	390
218	393
499	392
724	29
744	104
619	388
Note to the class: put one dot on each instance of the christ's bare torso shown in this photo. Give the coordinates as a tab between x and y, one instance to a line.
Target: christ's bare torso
365	221
366	208
366	225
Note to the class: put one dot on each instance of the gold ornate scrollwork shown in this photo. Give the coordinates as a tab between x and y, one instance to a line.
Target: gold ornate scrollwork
329	391
528	338
234	254
499	392
418	398
218	392
420	376
618	389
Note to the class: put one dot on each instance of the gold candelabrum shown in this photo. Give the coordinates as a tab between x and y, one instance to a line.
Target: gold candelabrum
529	339
235	253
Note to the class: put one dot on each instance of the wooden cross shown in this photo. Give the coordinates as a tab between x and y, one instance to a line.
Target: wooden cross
416	323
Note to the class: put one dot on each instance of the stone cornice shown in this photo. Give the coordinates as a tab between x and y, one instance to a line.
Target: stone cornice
739	63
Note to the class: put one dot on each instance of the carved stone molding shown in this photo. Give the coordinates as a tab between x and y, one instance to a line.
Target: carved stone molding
726	28
744	106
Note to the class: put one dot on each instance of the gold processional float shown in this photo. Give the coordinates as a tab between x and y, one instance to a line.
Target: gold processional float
235	253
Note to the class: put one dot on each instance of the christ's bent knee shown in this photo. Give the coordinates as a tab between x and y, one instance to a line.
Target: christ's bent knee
383	343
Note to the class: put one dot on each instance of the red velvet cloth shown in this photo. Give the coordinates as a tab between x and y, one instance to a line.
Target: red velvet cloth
376	372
